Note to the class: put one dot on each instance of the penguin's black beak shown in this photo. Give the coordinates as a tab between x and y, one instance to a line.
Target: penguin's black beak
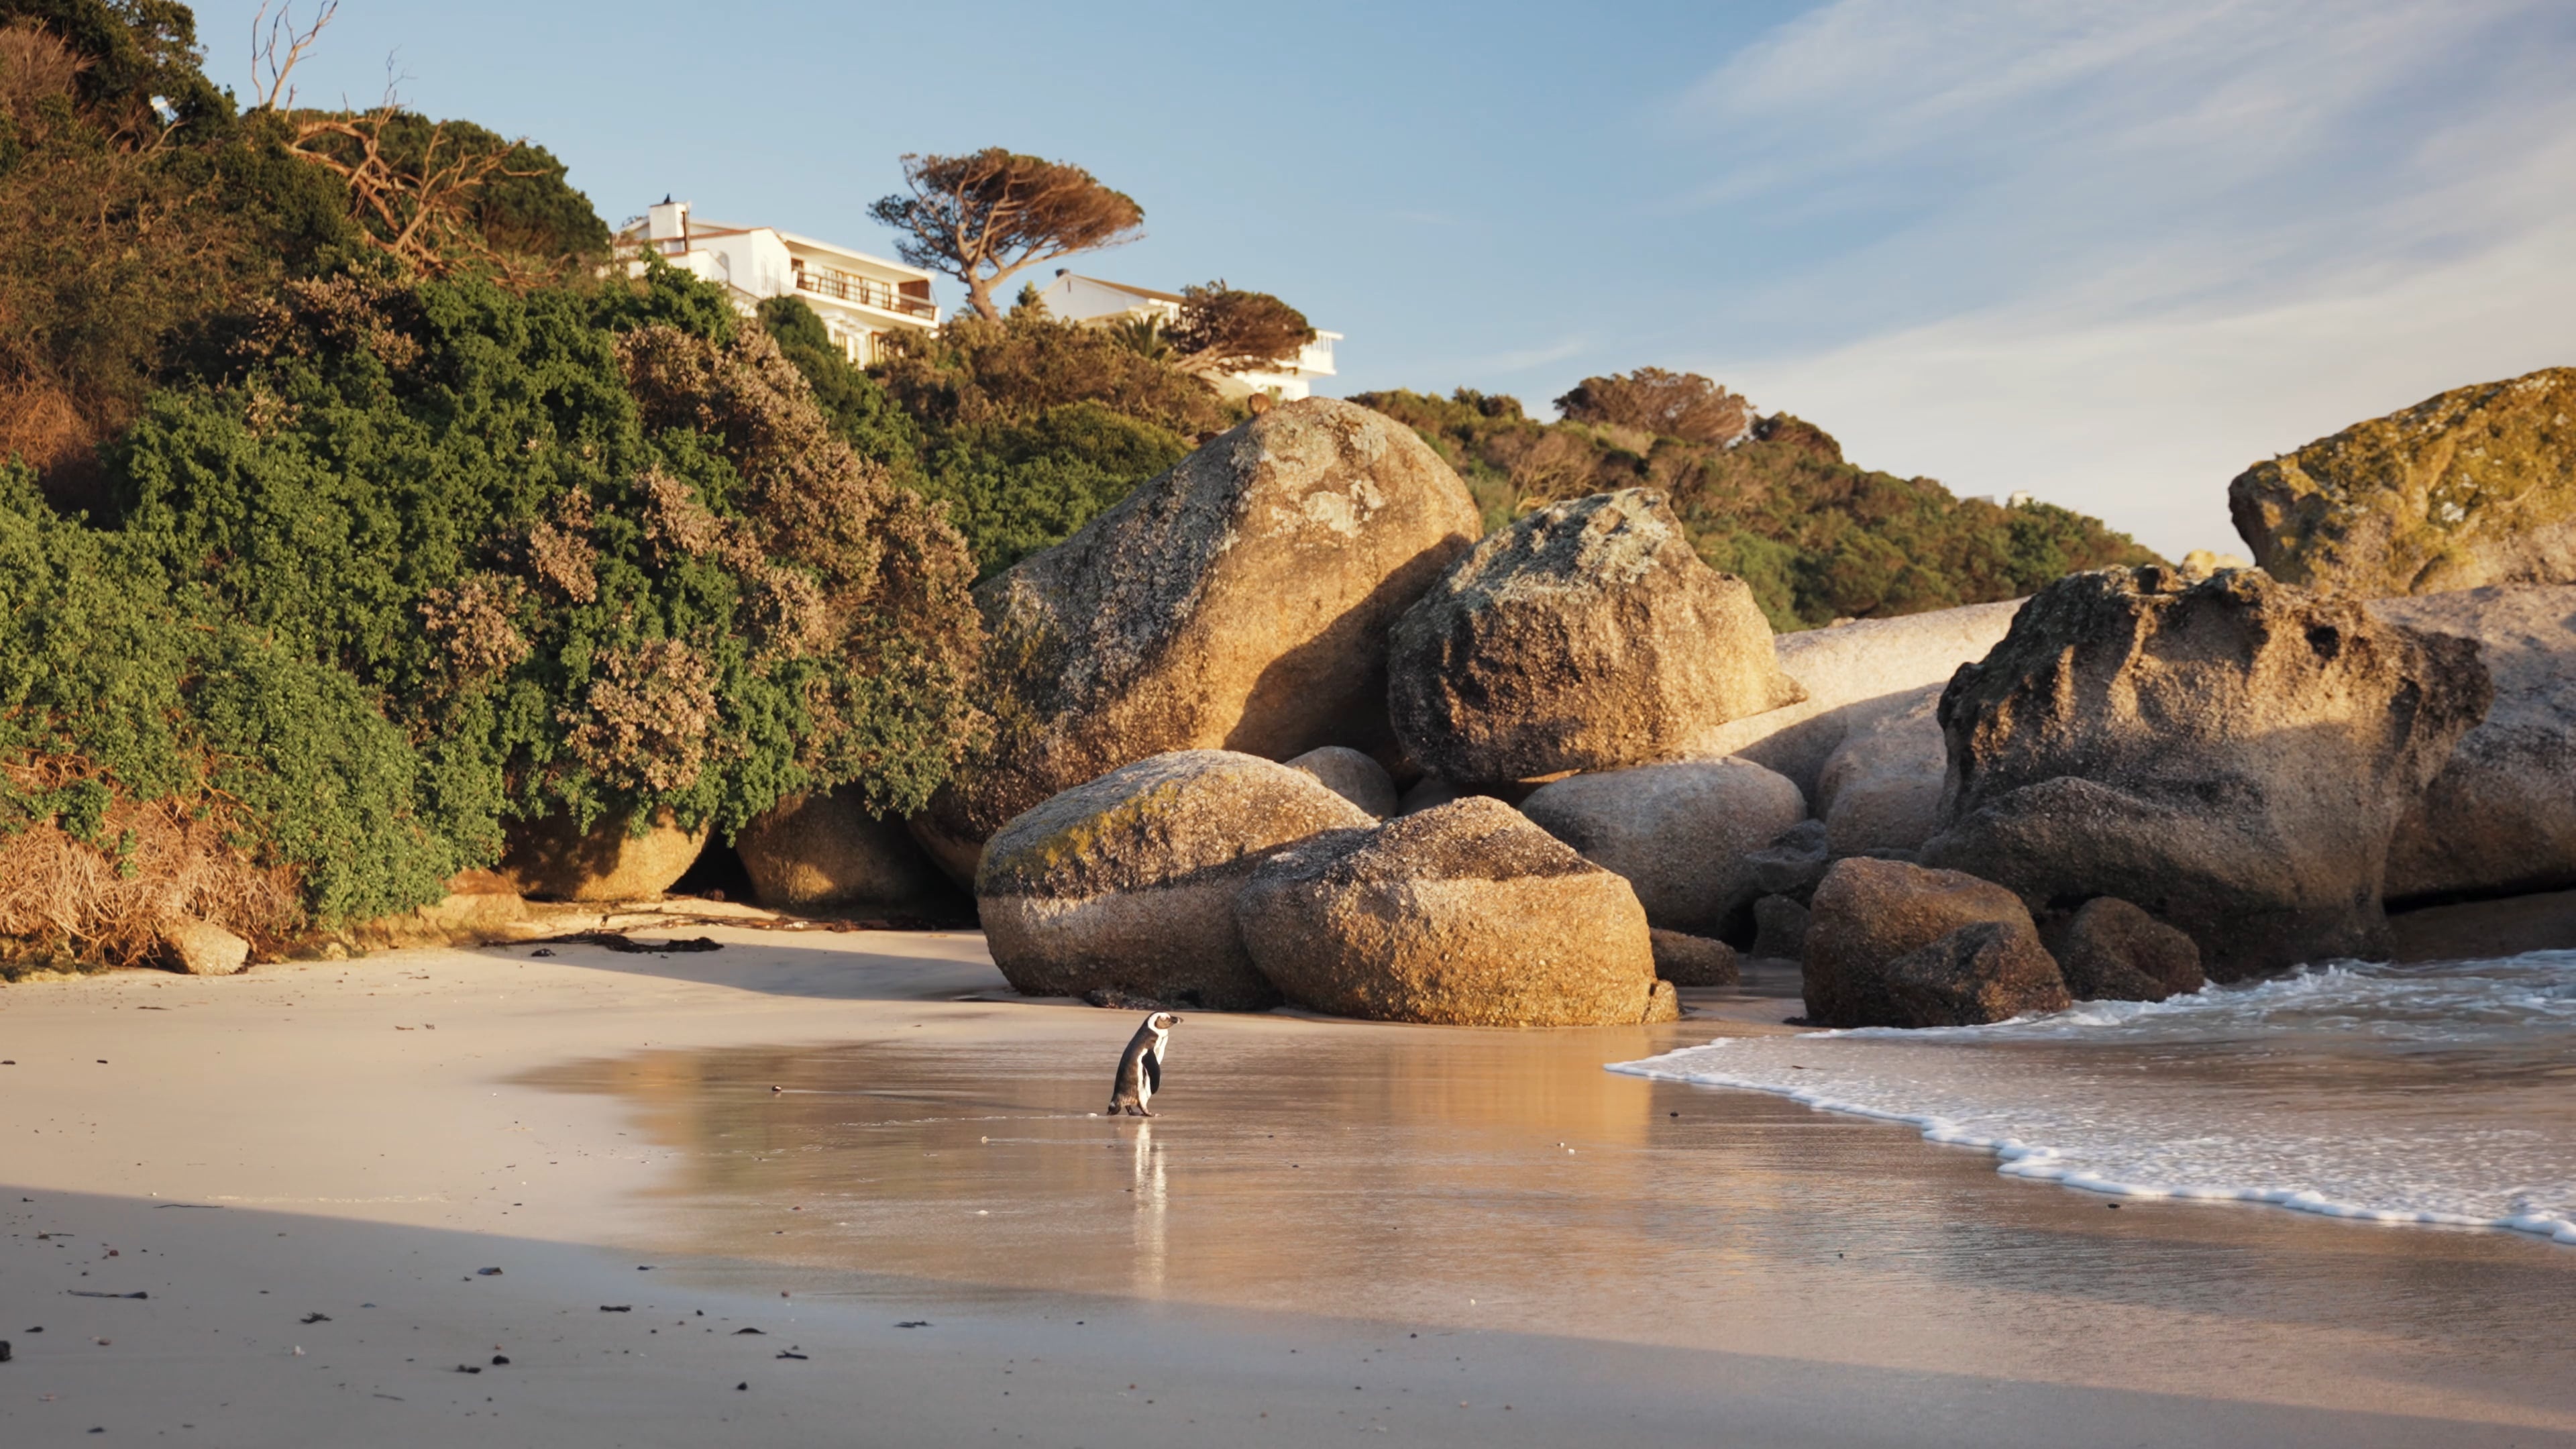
1176	1021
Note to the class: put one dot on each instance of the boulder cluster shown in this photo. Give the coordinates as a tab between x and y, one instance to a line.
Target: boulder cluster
1281	728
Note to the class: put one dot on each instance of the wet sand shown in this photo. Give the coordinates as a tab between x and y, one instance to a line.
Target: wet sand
1426	1217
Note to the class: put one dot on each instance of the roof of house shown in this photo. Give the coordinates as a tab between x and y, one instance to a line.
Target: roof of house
1125	287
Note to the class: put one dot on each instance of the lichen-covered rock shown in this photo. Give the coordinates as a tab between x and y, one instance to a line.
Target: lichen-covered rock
202	948
1687	960
1870	912
548	860
1240	601
2474	487
2500	818
2232	756
1855	675
1465	914
1352	775
1682	834
1586	636
827	850
1988	972
2112	951
1881	790
1127	884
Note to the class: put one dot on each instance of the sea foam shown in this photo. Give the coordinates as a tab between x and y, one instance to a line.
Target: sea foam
2408	1094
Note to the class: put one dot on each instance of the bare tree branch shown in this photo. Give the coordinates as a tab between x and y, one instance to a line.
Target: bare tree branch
272	92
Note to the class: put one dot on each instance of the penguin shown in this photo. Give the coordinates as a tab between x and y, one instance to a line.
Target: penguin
1140	1068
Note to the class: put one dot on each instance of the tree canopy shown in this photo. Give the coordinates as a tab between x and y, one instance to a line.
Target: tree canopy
1662	404
1224	330
988	215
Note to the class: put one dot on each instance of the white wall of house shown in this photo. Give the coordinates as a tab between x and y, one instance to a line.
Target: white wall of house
1089	299
862	299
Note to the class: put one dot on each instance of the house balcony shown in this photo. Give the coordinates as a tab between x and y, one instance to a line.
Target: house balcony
861	291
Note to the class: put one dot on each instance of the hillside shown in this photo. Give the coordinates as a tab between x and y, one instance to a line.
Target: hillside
1819	538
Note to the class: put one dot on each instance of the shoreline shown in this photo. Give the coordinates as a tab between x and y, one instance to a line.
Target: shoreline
414	1117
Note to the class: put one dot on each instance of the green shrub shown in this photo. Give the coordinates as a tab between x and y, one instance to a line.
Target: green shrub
1816	537
213	770
593	549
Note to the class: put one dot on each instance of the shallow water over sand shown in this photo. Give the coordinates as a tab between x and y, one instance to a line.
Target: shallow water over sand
1444	1180
2438	1093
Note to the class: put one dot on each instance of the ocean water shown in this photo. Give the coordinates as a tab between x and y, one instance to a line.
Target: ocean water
2441	1093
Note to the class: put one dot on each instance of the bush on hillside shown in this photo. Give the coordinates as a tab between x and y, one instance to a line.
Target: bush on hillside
1817	538
1026	428
127	233
595	549
158	761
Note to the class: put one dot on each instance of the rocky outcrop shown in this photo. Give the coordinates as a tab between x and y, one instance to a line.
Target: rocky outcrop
1881	790
2474	487
2500	818
1352	775
611	861
1240	601
1855	674
202	948
1870	913
1681	833
1989	972
2112	951
1586	636
1687	960
1465	914
826	849
1127	884
2232	756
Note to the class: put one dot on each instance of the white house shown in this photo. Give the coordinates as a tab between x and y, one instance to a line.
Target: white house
1089	299
859	297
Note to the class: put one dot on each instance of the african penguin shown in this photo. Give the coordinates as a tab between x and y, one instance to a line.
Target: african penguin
1140	1068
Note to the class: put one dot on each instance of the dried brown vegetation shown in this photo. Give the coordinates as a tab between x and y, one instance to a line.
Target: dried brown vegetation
107	899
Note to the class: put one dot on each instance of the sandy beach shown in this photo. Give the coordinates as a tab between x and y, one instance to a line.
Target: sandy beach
864	1147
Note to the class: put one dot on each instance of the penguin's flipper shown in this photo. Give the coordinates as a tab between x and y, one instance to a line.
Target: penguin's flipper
1153	1065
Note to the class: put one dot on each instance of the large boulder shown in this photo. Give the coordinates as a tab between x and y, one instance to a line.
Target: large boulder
2500	818
1855	674
1586	636
2231	755
1240	601
1127	884
612	861
1989	972
1869	913
2474	487
827	849
1682	834
1881	789
2112	951
1465	914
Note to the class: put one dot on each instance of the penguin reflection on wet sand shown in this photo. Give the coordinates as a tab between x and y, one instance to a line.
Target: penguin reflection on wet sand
1140	1070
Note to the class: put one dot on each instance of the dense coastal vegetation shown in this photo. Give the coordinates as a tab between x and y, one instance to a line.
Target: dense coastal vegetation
357	512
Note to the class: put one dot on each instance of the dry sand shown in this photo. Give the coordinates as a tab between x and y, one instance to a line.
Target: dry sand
1334	1229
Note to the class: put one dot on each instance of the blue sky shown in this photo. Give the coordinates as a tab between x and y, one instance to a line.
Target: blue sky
2108	253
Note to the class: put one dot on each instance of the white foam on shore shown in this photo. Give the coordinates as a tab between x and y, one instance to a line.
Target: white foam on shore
2440	1094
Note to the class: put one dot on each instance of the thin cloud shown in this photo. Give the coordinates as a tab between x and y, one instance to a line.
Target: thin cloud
2166	240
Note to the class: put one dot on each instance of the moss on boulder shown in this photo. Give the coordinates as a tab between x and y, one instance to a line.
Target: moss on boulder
2474	487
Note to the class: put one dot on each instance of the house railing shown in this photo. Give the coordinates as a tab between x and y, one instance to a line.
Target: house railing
865	291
